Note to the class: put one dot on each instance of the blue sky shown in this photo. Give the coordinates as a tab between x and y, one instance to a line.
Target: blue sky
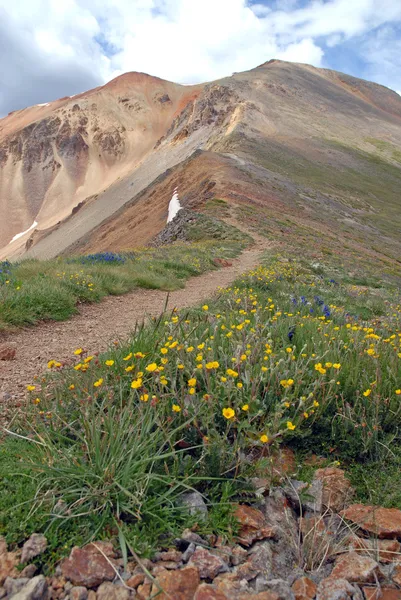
50	49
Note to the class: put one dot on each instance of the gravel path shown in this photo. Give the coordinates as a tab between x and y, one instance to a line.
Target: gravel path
97	325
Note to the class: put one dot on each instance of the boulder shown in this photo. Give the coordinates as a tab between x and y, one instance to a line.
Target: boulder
88	567
354	567
385	551
304	588
208	592
36	545
209	565
179	585
383	522
253	525
337	589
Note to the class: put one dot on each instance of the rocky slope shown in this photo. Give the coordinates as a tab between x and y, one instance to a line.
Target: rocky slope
97	171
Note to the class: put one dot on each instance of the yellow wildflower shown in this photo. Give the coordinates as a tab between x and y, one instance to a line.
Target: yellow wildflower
151	367
290	425
137	383
228	413
144	397
367	393
164	350
176	408
128	357
192	382
71	387
78	351
264	439
98	383
109	363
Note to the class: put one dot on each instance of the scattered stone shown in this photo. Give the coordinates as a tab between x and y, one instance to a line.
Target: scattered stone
208	564
195	503
188	552
253	525
88	567
385	551
238	555
7	353
191	537
136	580
169	555
383	522
397	575
336	589
78	593
337	489
354	567
29	571
304	589
8	562
281	589
108	591
144	591
179	585
381	593
36	545
35	589
208	592
230	584
12	586
260	596
259	562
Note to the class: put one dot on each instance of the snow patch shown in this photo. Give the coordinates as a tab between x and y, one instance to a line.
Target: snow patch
44	104
174	206
16	237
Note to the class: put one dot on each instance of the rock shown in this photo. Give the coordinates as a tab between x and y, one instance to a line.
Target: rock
78	593
337	489
179	585
259	562
260	596
230	584
12	586
304	589
208	564
88	567
36	545
281	588
35	589
385	551
144	591
91	595
195	503
208	592
191	537
397	575
336	589
188	552
8	562
3	592
284	463
169	555
383	522
29	571
238	555
135	580
305	495
354	567
222	262
253	525
375	593
108	591
7	353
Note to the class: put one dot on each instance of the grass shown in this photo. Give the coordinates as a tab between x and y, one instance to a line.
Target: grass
288	355
32	290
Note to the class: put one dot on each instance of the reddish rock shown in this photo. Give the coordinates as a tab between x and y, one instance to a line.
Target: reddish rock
136	580
337	489
208	564
78	593
7	353
222	262
260	596
304	589
385	551
88	567
208	592
397	575
238	555
179	585
383	522
144	591
229	583
170	555
335	589
8	562
253	525
312	526
375	593
354	567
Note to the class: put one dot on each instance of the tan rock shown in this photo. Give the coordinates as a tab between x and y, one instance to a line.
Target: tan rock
229	583
375	593
304	588
88	567
8	562
397	575
385	551
136	580
253	525
354	567
78	593
335	589
383	522
91	595
208	564
36	545
260	596
144	591
179	585
170	556
108	591
337	489
208	592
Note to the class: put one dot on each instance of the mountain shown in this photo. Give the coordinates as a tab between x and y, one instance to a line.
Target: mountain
301	153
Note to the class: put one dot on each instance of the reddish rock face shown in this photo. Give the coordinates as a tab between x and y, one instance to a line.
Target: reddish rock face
385	551
208	592
337	490
335	589
179	585
383	522
208	564
381	594
354	567
253	525
88	567
304	589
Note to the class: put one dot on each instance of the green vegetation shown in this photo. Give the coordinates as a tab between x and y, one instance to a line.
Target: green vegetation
32	290
290	355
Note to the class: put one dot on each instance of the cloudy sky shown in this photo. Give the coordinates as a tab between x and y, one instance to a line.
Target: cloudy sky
55	48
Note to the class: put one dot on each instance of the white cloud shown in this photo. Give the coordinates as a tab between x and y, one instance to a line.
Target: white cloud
50	48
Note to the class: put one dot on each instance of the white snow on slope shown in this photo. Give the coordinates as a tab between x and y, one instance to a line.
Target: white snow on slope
44	104
174	206
16	237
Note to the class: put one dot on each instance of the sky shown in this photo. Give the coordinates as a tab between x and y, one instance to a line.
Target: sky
55	48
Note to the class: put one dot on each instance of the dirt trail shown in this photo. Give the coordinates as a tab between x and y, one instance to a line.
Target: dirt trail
97	325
